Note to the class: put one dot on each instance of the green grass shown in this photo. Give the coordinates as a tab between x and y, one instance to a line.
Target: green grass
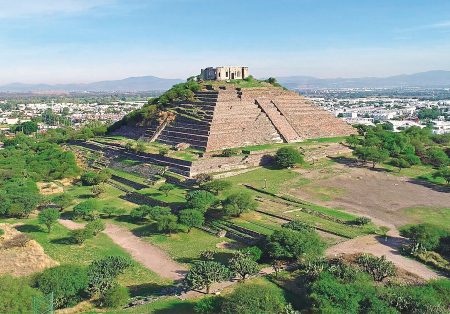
276	178
111	197
186	247
57	245
436	216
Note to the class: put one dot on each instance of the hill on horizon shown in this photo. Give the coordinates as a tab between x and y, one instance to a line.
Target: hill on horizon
130	84
430	79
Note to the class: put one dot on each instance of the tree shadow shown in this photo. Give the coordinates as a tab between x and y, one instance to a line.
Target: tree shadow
85	196
29	228
64	240
68	215
430	185
146	230
147	289
182	307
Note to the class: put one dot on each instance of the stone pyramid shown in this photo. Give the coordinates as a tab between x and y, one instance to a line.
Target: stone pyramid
228	117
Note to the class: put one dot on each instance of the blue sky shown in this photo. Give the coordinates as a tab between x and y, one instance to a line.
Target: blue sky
60	41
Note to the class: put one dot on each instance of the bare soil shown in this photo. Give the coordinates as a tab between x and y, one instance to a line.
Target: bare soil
372	193
22	260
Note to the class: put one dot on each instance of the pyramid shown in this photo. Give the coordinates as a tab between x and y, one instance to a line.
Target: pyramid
228	117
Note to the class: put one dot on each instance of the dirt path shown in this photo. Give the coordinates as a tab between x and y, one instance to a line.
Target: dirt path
145	253
378	247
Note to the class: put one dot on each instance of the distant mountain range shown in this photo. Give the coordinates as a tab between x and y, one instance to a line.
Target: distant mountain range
131	84
431	79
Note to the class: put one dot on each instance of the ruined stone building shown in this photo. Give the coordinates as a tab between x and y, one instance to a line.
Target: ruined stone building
224	73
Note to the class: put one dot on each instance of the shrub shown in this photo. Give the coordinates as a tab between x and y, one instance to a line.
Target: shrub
204	273
166	188
298	226
111	211
163	151
62	200
254	298
378	267
95	226
89	178
79	236
216	186
437	157
115	297
228	152
16	296
203	178
207	255
103	273
287	157
361	221
67	282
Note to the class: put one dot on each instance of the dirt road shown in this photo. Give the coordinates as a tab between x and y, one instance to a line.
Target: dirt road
151	256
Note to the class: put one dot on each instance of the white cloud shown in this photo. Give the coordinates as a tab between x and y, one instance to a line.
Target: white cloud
26	8
434	26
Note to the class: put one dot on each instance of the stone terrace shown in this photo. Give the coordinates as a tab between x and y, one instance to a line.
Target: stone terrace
230	117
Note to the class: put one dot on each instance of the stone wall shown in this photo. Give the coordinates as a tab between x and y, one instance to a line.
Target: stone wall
222	164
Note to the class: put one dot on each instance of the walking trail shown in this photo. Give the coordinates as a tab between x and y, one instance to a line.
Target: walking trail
378	246
151	256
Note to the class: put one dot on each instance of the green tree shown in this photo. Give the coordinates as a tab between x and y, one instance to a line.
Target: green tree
16	296
18	197
28	127
200	199
166	188
290	245
243	264
423	236
250	298
204	273
167	223
287	157
48	217
191	218
67	282
217	186
86	210
372	154
89	178
239	203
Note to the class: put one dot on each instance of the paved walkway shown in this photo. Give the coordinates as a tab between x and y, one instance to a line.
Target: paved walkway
151	256
378	247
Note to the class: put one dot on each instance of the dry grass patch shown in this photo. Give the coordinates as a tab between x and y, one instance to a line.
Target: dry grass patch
20	256
49	188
